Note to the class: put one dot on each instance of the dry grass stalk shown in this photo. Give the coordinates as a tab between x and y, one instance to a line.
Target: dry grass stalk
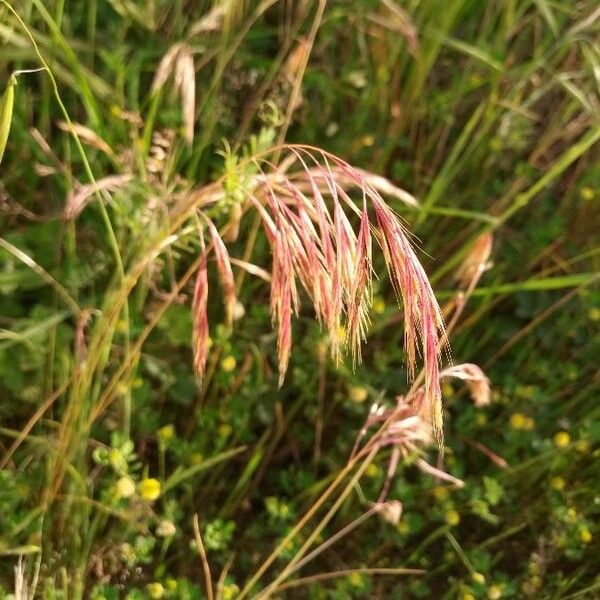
78	199
398	20
306	215
404	431
86	135
179	63
476	261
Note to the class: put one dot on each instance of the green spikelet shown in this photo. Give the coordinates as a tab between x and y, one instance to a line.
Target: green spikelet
6	110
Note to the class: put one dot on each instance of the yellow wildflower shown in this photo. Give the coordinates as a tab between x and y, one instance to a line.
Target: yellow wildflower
585	535
125	487
517	421
379	305
166	433
494	592
440	493
228	364
529	424
561	439
155	590
224	430
368	140
372	470
452	517
230	591
403	527
149	489
358	393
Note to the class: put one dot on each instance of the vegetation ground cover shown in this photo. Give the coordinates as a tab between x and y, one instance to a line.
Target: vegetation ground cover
123	476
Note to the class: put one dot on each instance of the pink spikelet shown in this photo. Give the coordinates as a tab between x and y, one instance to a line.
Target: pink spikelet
283	296
224	270
422	315
361	296
200	341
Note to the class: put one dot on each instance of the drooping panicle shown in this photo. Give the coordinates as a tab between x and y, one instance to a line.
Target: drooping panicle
322	239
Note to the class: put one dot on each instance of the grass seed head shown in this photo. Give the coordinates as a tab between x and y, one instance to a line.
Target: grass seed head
306	214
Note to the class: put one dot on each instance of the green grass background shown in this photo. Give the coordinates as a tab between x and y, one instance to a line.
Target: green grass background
487	112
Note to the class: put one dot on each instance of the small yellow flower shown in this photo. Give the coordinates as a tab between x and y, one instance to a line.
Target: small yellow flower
372	470
224	430
358	393
379	305
517	420
531	586
171	584
196	458
122	388
572	515
594	314
403	527
355	579
561	439
122	326
368	141
155	590
587	193
481	419
478	577
494	592
230	591
228	364
525	391
557	483
149	489
585	535
582	446
529	424
467	596
166	433
440	493
125	487
452	517
447	389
